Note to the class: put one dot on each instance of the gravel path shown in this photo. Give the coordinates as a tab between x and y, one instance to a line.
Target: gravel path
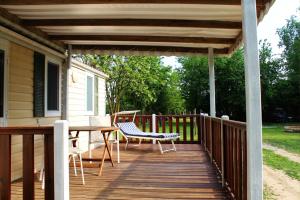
283	187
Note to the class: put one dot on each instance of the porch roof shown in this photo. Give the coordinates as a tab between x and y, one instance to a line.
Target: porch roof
161	27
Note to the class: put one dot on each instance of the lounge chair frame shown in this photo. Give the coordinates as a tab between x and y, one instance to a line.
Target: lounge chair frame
154	139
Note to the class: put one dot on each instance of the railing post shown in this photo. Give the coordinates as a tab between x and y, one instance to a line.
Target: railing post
61	164
211	139
154	126
224	117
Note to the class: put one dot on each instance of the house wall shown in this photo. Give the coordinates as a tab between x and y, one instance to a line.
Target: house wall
20	104
77	100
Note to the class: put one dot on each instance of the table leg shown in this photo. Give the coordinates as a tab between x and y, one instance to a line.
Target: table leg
102	162
104	153
107	147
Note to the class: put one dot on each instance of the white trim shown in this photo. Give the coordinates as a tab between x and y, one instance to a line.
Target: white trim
85	67
52	113
92	112
4	45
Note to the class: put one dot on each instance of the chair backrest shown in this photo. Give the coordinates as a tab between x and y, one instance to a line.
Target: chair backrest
129	128
100	121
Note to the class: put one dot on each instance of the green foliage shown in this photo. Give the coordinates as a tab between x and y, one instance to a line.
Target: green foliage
291	168
137	82
272	77
229	74
276	136
290	41
194	83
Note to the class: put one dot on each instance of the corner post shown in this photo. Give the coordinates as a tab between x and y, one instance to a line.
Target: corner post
224	117
153	126
61	164
65	89
253	102
212	90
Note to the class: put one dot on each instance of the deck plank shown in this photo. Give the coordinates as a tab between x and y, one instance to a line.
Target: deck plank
145	174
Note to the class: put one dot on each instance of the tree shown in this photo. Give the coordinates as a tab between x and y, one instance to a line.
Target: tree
290	40
138	82
230	89
271	76
194	83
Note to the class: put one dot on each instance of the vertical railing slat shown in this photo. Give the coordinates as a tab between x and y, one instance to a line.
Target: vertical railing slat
49	166
198	118
5	167
191	129
163	123
184	129
28	166
170	124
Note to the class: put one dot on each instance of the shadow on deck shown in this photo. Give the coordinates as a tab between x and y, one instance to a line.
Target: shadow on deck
146	174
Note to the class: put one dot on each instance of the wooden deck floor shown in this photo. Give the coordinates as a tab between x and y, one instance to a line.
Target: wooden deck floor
146	174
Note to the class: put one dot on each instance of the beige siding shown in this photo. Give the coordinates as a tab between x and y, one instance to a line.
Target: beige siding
77	101
20	105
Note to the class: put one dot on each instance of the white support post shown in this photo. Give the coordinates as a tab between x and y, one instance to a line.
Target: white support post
253	102
212	90
154	126
61	163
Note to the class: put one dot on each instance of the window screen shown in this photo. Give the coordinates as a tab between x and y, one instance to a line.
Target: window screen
53	87
1	82
89	91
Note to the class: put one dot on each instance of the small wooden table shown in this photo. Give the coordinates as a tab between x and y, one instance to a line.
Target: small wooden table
103	131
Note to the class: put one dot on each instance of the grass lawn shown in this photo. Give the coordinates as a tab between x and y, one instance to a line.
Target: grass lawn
276	161
275	135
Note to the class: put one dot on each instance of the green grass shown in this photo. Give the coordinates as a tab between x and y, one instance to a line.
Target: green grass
291	168
275	135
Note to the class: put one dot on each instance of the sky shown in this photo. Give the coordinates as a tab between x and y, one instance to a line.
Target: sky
276	18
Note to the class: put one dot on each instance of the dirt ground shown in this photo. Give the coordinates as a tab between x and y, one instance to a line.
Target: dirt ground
283	187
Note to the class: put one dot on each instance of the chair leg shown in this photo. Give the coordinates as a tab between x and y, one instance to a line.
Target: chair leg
41	173
160	147
43	180
126	145
118	147
81	168
74	165
174	147
111	149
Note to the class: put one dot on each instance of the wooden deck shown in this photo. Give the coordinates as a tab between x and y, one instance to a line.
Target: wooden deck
146	174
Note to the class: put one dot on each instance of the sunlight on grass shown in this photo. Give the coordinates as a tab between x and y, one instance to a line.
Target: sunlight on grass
276	136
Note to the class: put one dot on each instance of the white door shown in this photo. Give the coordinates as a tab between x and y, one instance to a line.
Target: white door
3	81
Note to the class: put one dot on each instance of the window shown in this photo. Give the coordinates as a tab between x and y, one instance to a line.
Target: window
1	83
90	94
52	89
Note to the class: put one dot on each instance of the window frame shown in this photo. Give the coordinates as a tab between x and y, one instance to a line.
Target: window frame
52	113
4	45
92	112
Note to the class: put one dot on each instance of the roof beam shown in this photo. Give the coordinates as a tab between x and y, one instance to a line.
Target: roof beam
130	38
14	23
147	49
135	22
58	2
